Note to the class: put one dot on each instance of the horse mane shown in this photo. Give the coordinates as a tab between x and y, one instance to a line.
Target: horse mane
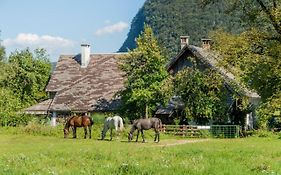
160	123
134	125
68	121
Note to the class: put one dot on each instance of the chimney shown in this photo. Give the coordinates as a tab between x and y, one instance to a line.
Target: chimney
206	43
184	41
85	55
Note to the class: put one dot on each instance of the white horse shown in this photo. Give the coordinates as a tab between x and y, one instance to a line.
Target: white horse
111	123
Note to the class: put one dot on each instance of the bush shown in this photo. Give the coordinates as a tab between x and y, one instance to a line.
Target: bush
264	133
99	118
269	113
14	119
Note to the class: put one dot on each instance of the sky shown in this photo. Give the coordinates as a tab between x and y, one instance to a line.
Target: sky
61	26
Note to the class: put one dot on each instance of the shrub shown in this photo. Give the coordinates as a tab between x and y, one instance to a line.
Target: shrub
14	119
264	133
269	113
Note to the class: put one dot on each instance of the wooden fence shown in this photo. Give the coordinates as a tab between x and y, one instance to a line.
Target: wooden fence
181	130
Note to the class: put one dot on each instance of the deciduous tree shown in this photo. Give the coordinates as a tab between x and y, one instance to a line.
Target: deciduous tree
145	71
203	93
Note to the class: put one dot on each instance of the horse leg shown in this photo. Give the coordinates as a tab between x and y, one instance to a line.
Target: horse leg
111	134
90	131
156	135
85	131
103	133
74	132
138	135
142	136
116	130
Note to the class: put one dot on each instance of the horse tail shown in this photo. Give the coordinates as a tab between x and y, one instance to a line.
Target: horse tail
121	125
91	121
160	124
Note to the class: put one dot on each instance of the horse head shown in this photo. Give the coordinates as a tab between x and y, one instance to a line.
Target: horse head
102	135
66	132
130	136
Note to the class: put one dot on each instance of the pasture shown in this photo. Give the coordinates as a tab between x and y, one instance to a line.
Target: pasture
29	153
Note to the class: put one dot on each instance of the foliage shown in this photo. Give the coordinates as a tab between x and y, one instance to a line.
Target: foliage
203	93
264	15
29	74
23	80
171	19
270	112
2	53
9	104
255	55
145	71
256	61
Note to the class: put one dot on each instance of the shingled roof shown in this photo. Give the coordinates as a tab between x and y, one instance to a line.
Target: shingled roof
211	59
40	108
86	89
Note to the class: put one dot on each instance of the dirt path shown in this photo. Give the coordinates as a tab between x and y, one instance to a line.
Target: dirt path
178	142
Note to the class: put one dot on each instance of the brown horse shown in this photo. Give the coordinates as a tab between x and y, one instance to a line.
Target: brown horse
78	121
145	124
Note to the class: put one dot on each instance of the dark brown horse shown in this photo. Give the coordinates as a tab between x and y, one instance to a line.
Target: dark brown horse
145	124
78	121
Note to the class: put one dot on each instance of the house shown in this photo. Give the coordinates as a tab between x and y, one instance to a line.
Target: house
204	57
83	83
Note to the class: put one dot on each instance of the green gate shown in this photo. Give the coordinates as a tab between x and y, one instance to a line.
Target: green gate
225	131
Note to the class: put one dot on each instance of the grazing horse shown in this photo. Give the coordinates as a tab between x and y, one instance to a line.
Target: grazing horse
111	123
145	124
78	121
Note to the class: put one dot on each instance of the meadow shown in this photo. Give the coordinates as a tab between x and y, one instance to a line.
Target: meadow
24	151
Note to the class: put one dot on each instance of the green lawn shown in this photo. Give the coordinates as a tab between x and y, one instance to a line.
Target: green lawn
27	154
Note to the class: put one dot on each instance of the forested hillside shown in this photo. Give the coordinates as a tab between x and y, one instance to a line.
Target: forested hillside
171	19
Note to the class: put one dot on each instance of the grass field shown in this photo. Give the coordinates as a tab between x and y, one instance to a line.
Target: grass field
29	154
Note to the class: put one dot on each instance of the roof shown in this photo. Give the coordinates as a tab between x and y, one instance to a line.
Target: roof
86	89
164	111
209	58
40	108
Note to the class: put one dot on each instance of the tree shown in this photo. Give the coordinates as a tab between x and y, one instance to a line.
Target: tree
255	54
22	83
203	93
262	14
28	75
145	71
270	112
2	53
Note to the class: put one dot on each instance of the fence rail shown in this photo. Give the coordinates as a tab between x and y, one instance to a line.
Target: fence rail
181	130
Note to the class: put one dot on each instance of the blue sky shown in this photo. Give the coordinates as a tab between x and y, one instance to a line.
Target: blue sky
61	26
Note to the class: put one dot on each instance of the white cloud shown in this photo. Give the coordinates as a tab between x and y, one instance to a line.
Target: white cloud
53	44
118	27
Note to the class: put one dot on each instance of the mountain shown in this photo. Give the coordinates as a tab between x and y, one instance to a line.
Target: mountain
170	19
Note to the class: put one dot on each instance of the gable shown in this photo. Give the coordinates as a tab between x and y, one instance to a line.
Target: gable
207	58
